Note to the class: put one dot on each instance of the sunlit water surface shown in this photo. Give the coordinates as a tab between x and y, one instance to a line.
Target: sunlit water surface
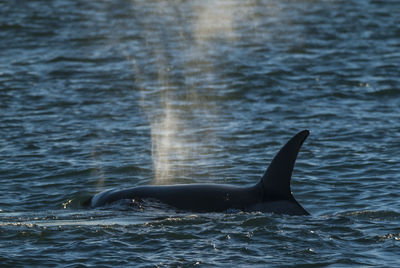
102	94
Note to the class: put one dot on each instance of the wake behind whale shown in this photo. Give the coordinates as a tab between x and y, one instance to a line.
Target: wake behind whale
271	194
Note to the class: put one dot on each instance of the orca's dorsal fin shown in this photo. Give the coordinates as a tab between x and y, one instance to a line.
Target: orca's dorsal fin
276	180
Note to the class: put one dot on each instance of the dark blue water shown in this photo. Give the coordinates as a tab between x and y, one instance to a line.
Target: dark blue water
102	94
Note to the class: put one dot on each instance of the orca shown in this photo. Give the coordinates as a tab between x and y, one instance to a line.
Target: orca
271	194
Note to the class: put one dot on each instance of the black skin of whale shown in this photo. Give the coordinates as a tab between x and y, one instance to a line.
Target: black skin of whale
271	194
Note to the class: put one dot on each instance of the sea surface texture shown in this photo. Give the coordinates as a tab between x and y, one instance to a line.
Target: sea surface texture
113	94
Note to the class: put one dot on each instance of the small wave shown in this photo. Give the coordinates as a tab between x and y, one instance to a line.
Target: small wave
389	236
11	26
380	215
389	92
80	200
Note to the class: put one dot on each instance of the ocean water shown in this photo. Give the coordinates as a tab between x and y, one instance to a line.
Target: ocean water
103	94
